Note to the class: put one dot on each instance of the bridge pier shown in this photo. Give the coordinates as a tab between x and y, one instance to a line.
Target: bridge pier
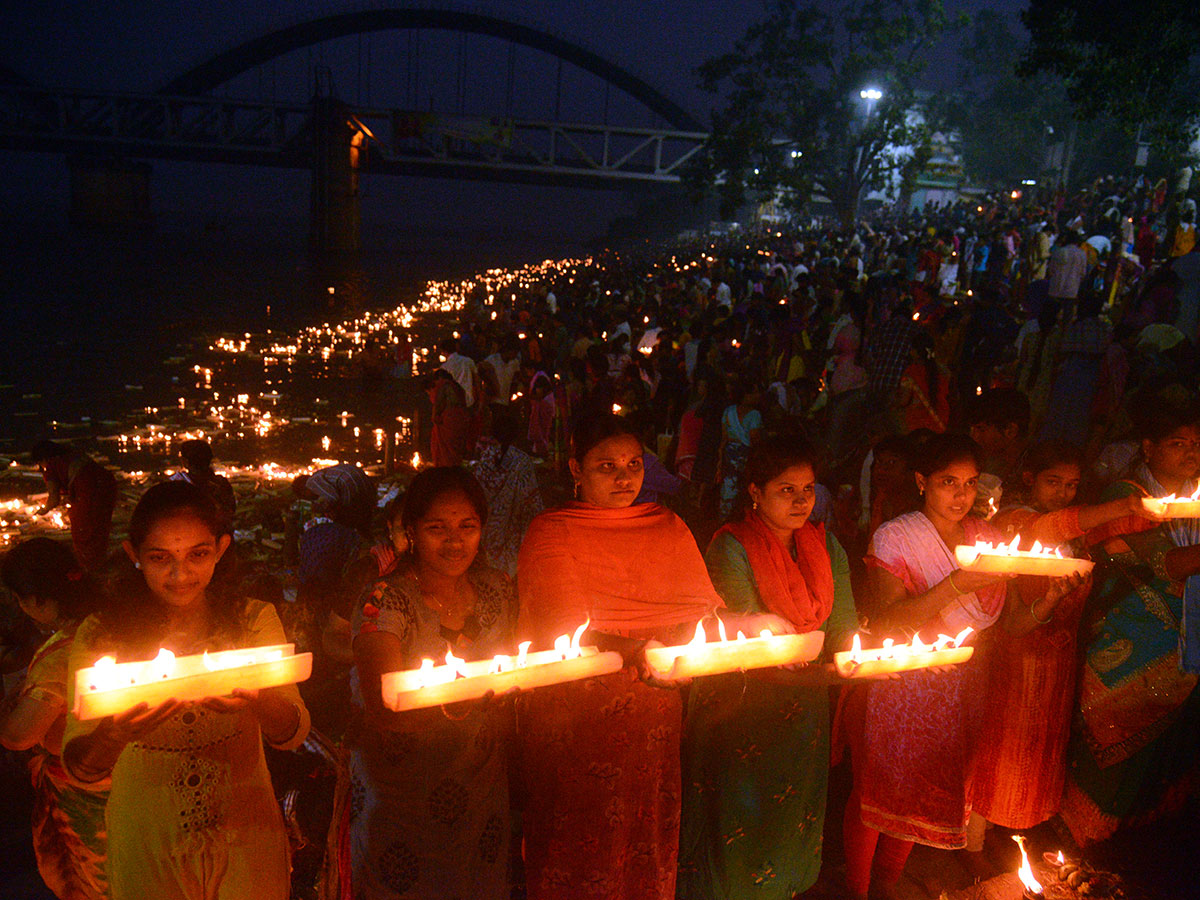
108	192
336	219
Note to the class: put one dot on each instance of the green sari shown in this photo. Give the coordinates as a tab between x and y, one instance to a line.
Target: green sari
756	758
1133	750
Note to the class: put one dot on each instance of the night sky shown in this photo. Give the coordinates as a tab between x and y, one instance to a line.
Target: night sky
139	46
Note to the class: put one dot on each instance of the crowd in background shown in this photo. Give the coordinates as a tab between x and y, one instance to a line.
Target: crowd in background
789	427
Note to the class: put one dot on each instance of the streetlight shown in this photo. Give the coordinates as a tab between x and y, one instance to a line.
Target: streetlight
872	95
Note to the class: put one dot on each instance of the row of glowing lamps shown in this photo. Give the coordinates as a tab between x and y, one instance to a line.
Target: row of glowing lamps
239	416
109	687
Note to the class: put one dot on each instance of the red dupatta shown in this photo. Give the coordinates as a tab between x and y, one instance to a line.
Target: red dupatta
800	589
634	571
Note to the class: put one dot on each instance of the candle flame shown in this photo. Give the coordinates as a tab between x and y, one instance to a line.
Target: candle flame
456	664
163	665
700	638
721	629
576	650
962	636
104	674
1061	859
562	646
523	653
765	633
1025	872
968	553
425	673
856	649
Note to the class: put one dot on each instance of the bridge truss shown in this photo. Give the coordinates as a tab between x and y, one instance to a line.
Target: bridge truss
396	141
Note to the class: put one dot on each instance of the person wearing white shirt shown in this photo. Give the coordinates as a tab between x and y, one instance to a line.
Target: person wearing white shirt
501	368
461	368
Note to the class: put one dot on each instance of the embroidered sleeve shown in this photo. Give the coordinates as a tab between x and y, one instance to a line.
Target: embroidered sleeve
386	607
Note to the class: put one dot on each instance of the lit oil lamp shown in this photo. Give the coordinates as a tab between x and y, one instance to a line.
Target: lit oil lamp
892	658
1009	558
1174	507
110	687
458	680
703	657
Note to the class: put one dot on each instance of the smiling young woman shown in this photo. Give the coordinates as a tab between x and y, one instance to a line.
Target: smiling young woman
1021	767
185	774
433	820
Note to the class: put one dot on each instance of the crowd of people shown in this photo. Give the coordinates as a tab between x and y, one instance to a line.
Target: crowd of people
787	431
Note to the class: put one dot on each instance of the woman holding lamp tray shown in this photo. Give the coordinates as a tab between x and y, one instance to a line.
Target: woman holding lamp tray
1021	766
756	746
429	810
1132	751
191	813
600	758
912	739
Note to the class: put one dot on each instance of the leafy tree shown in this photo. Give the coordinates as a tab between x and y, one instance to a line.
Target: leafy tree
1005	123
791	114
1135	62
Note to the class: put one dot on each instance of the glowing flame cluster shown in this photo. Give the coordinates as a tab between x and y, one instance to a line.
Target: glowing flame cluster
700	638
565	647
1013	548
901	652
1175	498
107	674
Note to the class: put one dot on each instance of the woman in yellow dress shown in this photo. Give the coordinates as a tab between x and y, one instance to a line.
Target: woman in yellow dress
191	811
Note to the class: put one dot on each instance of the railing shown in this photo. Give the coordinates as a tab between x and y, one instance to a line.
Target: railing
396	141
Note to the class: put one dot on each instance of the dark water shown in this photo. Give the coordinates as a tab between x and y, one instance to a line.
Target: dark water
95	324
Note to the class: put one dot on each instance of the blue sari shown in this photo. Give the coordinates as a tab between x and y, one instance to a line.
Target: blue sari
1133	751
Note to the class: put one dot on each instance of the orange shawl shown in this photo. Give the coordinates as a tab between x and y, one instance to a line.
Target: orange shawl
635	572
800	589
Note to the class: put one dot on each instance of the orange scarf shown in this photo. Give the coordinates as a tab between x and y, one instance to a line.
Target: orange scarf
635	571
800	589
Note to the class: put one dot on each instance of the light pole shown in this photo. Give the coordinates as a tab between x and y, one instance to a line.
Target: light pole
872	95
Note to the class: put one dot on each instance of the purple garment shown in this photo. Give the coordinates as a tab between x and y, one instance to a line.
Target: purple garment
656	480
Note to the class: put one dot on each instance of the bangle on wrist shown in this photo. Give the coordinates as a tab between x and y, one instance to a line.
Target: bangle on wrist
291	731
1033	613
957	590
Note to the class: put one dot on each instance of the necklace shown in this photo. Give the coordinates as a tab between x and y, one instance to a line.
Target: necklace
458	608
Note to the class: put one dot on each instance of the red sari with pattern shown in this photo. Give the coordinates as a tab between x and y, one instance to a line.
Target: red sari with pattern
915	742
1021	767
600	758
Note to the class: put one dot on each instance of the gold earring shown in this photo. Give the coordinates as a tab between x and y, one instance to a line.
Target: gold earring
754	504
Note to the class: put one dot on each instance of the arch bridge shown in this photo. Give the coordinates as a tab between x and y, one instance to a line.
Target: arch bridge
337	140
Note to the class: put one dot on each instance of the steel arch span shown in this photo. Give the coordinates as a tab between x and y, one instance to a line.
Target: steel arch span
231	63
